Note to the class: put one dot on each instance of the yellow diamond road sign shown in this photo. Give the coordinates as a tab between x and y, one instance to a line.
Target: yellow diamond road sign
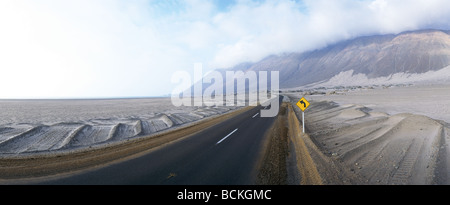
303	104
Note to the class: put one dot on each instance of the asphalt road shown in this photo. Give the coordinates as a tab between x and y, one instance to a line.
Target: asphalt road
224	154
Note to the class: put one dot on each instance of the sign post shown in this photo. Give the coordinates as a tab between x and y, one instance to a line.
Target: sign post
303	121
303	104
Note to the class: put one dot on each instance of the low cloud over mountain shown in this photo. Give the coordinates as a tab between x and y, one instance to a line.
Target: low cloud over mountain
406	55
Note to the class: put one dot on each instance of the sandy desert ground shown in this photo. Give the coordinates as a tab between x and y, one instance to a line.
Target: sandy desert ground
39	126
382	135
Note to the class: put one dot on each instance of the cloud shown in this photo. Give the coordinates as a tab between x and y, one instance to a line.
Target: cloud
82	48
101	48
273	27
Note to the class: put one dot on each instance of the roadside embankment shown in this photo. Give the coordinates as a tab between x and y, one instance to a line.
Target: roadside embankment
287	158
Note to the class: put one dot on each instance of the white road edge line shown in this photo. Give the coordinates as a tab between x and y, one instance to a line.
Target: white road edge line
226	136
255	115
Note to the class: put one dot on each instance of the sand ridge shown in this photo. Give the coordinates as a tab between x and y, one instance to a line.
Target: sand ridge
377	148
35	167
36	126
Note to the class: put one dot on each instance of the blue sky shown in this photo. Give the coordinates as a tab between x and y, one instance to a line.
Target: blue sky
117	48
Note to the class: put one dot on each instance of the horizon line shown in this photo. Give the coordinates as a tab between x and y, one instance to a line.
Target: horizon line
88	98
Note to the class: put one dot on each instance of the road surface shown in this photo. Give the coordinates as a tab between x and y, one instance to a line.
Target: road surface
225	154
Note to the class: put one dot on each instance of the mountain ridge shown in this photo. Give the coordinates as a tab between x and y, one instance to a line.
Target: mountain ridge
411	52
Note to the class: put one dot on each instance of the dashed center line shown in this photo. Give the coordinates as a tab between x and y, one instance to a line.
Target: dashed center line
226	136
255	115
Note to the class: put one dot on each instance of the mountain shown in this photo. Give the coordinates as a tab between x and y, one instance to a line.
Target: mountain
371	57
